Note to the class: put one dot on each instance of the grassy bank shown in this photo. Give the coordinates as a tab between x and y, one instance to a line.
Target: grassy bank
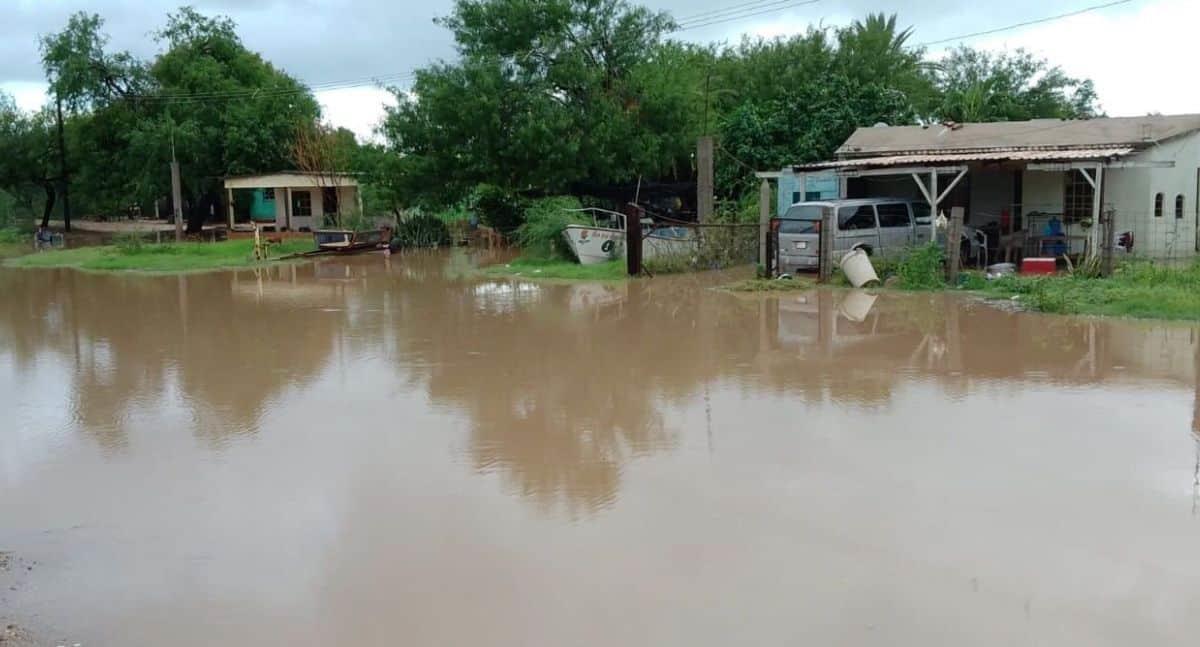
158	258
1136	289
545	268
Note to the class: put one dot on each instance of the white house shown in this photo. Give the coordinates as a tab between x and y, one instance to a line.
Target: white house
293	200
1144	170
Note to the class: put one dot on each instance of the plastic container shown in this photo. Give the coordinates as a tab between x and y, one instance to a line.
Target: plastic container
1036	266
857	266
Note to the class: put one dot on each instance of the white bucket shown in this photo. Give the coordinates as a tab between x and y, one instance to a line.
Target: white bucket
857	266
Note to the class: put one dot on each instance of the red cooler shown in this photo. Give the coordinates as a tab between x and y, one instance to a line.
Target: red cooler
1038	266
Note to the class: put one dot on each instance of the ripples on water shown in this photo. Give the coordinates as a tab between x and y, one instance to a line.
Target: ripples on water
381	450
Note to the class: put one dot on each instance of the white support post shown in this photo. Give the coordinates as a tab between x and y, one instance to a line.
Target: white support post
933	189
924	191
1097	197
229	203
950	187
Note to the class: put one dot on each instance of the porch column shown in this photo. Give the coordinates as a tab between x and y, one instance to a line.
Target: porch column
1094	245
229	202
358	198
933	217
287	208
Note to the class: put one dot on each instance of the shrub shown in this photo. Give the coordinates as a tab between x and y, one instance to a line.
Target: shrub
541	235
921	268
498	208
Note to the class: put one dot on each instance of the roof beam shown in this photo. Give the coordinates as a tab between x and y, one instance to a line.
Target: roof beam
903	170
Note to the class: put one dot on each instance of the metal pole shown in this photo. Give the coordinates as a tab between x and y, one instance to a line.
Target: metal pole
62	166
704	178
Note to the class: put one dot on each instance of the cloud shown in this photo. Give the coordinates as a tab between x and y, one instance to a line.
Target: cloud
1131	52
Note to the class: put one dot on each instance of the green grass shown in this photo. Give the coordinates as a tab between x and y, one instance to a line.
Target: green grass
158	258
550	268
1136	289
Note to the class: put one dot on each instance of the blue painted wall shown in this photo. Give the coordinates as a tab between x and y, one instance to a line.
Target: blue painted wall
801	187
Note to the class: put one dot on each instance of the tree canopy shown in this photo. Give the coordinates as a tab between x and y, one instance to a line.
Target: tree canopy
543	97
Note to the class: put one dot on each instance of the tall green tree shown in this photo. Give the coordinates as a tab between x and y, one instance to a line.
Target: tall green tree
976	85
205	99
28	166
546	95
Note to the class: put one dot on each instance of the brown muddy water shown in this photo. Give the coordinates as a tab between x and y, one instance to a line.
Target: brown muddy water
395	452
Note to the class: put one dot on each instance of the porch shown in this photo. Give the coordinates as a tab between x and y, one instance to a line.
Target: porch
1025	203
291	201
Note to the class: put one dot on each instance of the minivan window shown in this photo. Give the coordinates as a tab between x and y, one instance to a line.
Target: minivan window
893	215
861	217
798	226
805	212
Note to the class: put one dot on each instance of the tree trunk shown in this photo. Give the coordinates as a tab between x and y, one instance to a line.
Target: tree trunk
49	207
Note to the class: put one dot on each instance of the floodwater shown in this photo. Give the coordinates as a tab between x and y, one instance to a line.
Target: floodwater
390	451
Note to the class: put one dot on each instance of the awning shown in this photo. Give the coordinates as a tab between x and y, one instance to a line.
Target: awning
958	158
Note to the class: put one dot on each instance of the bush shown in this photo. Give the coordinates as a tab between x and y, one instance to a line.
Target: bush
498	208
421	231
921	268
541	235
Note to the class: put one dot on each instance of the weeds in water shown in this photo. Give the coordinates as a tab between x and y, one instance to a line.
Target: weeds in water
421	231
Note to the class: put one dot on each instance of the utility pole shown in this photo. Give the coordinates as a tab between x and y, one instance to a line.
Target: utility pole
704	178
62	165
176	193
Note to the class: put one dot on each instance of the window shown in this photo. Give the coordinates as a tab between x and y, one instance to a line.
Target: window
1158	205
268	195
795	197
921	212
302	204
812	195
798	226
1179	207
893	215
856	217
1078	197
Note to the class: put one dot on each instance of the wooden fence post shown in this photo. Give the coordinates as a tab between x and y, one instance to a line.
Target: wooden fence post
954	245
825	265
633	242
1107	233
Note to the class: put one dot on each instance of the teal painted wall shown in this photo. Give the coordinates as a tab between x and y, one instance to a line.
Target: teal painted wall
262	209
800	187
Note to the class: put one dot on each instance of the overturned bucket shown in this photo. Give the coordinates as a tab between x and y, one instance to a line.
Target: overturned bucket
857	266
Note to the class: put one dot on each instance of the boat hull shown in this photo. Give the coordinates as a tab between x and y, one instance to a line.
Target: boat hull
593	245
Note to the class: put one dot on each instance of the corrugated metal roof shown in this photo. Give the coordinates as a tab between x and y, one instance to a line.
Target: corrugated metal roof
1137	132
987	156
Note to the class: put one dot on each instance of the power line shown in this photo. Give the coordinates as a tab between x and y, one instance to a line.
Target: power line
716	20
1027	23
711	14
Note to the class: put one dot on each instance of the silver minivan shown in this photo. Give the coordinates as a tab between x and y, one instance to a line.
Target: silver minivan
880	226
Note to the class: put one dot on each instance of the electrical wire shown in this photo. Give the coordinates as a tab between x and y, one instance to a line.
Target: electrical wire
1026	23
712	14
785	4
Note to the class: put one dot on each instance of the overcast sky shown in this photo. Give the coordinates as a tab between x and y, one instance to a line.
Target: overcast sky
1132	51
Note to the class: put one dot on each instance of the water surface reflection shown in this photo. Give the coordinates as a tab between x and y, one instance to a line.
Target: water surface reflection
381	449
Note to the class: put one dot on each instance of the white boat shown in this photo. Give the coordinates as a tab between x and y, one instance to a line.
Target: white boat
604	240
